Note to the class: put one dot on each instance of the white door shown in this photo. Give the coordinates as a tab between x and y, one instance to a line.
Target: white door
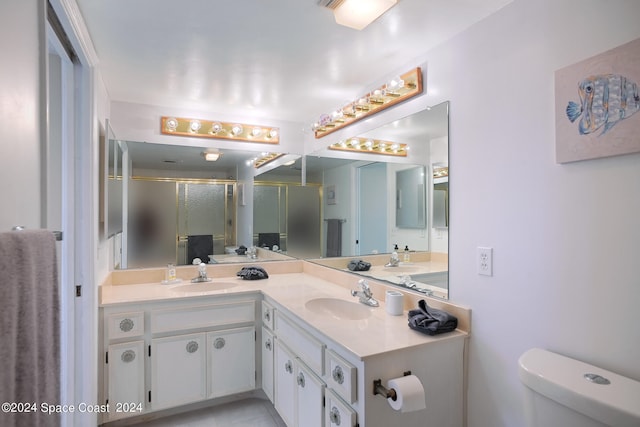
285	385
267	350
126	379
310	390
178	370
231	361
372	204
60	201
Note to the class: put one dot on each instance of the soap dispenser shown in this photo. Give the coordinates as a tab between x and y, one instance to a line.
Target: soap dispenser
407	256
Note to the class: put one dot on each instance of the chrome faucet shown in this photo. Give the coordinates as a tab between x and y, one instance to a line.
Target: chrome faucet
364	294
394	261
252	252
202	273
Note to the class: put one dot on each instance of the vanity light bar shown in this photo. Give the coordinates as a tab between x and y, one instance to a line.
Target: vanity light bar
371	146
219	130
393	92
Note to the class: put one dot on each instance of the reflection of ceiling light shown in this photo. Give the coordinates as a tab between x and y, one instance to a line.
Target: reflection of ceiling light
273	133
211	156
256	132
357	14
215	128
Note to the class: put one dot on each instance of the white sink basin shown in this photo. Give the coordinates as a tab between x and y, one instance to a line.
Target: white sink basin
204	287
339	309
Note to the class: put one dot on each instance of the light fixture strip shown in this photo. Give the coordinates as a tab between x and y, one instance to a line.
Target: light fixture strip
219	130
266	159
395	91
371	146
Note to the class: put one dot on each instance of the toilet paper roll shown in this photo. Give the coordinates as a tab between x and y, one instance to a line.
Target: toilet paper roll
394	303
409	394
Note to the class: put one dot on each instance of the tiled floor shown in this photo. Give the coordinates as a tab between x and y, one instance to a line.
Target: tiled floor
244	413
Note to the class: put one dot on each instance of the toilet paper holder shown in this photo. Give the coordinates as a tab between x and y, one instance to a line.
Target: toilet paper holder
388	393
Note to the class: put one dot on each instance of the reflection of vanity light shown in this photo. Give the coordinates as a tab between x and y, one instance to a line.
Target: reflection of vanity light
218	130
289	163
266	158
372	146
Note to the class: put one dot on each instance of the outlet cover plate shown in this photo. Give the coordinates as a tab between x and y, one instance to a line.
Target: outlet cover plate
485	261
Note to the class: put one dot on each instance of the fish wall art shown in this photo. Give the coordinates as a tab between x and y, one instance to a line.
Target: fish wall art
596	105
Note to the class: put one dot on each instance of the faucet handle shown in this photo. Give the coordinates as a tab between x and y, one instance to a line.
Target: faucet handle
365	288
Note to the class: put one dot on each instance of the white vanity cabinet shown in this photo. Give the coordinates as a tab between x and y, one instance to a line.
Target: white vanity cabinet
267	349
231	361
178	366
299	392
159	355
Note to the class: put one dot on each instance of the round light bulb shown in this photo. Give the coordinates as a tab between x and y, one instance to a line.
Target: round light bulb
171	124
215	128
256	132
195	125
236	130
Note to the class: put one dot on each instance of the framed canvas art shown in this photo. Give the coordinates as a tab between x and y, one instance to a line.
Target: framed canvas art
598	105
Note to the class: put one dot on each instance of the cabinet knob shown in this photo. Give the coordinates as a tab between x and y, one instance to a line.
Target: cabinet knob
128	356
126	325
338	374
192	347
219	343
288	366
334	416
267	344
300	379
267	316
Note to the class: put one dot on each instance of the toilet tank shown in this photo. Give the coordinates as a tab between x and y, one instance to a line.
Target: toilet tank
564	392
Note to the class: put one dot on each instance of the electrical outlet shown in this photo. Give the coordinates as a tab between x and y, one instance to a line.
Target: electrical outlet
485	261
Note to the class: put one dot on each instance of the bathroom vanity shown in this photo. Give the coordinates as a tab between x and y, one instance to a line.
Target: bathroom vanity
299	336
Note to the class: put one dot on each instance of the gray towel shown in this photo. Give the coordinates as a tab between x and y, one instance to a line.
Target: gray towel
29	326
334	237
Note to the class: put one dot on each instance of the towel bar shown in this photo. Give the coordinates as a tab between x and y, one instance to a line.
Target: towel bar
58	234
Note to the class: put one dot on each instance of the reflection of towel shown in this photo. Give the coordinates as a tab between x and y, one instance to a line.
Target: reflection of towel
431	321
29	325
334	238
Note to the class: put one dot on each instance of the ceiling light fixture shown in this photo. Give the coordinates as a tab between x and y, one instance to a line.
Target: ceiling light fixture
397	90
357	14
218	130
372	146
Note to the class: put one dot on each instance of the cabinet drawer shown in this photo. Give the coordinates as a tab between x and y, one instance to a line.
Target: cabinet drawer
205	316
267	315
125	325
306	347
338	413
342	376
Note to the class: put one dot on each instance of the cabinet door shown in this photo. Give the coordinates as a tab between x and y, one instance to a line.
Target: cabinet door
178	366
267	350
126	377
232	356
310	391
284	384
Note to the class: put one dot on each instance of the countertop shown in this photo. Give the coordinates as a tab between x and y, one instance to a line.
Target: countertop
376	334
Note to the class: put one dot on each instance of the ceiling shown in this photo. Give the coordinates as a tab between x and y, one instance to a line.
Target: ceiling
281	59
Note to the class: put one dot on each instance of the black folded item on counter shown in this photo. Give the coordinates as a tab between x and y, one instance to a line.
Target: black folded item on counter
431	321
358	265
252	273
242	250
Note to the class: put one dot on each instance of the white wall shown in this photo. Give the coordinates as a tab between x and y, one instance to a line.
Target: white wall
565	237
21	113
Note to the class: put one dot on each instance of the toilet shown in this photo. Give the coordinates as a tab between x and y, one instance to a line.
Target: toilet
564	392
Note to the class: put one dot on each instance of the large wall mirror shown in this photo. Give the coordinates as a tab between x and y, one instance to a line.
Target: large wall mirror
345	209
